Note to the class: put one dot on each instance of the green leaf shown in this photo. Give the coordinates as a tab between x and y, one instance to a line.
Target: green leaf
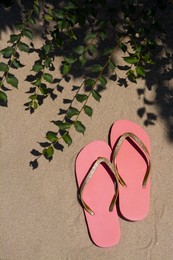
57	122
35	104
72	111
138	48
103	81
71	34
96	95
16	64
33	97
3	97
43	88
20	26
48	77
28	33
140	71
37	82
147	59
32	21
64	125
14	38
36	9
90	36
70	5
79	50
72	18
123	47
67	139
51	136
58	13
12	80
131	59
37	67
64	24
96	68
92	48
7	52
112	65
89	82
48	152
131	76
48	17
65	68
48	62
108	51
70	60
23	47
47	48
88	110
79	127
103	35
82	59
81	97
60	25
3	67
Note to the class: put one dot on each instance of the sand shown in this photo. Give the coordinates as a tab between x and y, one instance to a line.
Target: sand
40	217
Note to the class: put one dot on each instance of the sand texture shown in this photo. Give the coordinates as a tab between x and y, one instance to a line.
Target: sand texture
40	217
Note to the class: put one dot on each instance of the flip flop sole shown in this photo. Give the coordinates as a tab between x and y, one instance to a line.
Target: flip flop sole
134	200
103	226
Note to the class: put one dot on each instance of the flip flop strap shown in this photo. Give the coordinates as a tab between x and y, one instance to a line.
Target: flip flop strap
141	146
89	176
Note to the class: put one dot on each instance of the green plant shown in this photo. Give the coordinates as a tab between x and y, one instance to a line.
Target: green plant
78	31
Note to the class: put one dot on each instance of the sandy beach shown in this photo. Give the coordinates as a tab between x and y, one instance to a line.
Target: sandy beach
40	217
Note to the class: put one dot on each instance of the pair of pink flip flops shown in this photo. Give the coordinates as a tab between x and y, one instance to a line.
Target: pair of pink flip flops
105	173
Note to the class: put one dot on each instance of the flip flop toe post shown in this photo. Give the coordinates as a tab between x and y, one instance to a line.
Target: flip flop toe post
97	188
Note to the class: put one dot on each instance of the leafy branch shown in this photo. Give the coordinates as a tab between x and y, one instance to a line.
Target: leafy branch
76	32
11	53
67	123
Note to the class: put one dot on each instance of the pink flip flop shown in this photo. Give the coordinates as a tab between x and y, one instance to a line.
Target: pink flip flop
131	156
98	192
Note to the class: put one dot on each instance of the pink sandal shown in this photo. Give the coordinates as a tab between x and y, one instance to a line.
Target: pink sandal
98	193
131	157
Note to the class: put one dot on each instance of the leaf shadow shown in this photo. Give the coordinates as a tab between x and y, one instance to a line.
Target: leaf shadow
157	77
